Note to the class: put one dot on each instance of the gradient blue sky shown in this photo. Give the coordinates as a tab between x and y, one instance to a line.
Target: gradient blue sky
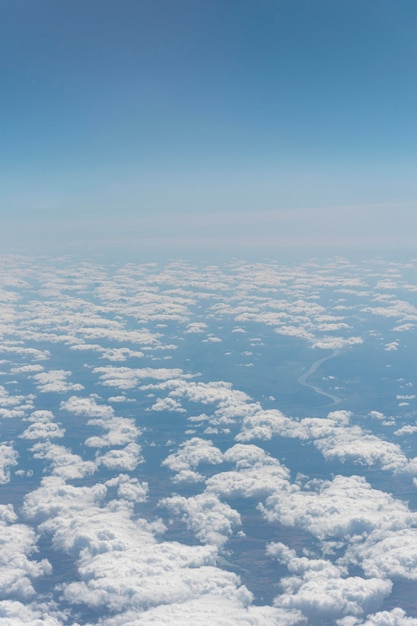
198	124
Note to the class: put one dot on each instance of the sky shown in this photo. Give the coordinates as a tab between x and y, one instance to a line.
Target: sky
211	125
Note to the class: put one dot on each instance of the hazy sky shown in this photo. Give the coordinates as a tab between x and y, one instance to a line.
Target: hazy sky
194	124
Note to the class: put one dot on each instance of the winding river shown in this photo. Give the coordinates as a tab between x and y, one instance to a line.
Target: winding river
312	369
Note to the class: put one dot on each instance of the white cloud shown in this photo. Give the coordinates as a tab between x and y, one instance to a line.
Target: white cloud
319	588
395	617
14	613
62	461
118	431
211	521
128	378
129	488
209	609
8	459
55	381
127	458
340	508
18	543
257	474
167	404
191	453
87	407
387	553
43	428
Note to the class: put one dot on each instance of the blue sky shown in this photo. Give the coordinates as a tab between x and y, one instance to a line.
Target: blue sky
210	123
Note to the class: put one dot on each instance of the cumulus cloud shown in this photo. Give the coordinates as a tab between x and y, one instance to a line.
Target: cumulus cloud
62	461
319	588
395	617
190	455
86	406
209	519
128	378
123	459
387	553
15	613
8	459
121	565
333	436
256	475
167	404
55	381
18	570
340	508
210	609
117	431
352	540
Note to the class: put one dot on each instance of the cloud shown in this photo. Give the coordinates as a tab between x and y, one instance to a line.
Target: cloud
209	609
14	406
63	462
340	508
121	565
55	381
333	436
191	454
211	521
256	475
87	407
167	404
387	553
18	543
395	617
8	459
14	613
117	431
320	589
129	488
124	459
128	378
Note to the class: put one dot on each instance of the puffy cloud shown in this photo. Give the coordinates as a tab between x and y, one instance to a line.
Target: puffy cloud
167	404
18	543
387	553
14	406
264	424
332	436
327	596
43	427
209	609
129	488
319	588
196	327
120	563
127	458
87	407
337	343
340	508
14	613
257	474
191	453
396	617
128	378
8	459
55	381
62	461
120	431
405	430
209	519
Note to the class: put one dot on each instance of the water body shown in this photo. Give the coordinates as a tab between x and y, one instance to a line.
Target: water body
312	369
